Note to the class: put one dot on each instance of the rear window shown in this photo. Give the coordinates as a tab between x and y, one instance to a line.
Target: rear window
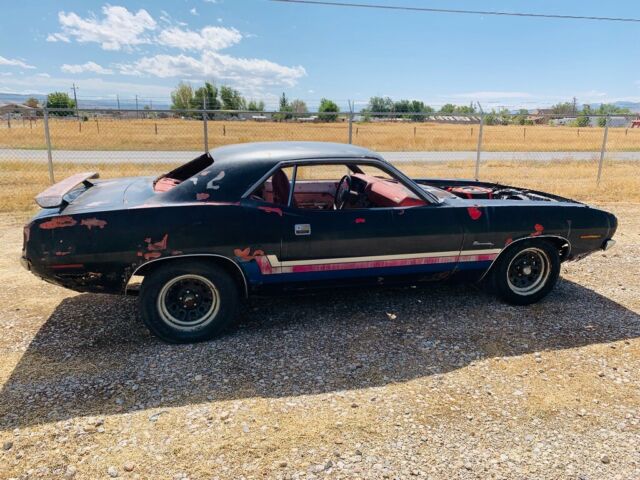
182	173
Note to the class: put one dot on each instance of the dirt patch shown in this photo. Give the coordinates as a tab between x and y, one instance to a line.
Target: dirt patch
437	382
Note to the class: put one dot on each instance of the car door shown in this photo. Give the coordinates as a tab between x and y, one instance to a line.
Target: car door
368	243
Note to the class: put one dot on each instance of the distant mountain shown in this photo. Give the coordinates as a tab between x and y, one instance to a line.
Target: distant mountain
88	103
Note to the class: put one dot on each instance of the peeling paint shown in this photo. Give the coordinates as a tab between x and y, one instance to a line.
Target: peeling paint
93	222
211	184
508	241
194	180
538	230
271	210
58	222
474	212
246	255
202	196
159	245
62	254
360	220
150	255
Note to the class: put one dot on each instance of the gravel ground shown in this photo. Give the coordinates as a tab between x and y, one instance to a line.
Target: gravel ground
433	382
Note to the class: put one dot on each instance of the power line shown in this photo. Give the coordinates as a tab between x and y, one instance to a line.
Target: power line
469	12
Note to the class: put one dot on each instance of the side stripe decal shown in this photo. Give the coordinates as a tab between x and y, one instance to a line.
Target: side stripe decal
270	265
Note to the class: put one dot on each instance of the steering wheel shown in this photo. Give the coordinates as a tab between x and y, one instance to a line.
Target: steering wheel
342	192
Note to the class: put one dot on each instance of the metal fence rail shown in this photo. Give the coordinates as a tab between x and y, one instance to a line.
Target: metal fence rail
540	151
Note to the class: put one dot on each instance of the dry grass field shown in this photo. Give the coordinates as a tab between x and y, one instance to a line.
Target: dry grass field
173	134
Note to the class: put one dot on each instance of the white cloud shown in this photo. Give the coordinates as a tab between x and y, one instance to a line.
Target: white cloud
14	62
193	11
209	38
118	29
210	1
57	37
250	73
43	75
86	67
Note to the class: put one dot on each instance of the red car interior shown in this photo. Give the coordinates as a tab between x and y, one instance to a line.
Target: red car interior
320	194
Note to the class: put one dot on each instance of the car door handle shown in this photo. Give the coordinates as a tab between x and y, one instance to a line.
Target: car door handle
302	229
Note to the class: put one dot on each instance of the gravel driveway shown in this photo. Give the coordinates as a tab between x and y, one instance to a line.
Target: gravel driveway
440	381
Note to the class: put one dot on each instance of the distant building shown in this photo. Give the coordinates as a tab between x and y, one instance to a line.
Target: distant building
17	109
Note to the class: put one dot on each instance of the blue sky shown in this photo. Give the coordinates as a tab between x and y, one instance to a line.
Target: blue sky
263	48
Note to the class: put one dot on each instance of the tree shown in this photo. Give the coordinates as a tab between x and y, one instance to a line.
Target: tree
206	97
521	117
448	109
231	99
298	106
327	105
32	102
182	97
564	108
380	105
254	106
61	100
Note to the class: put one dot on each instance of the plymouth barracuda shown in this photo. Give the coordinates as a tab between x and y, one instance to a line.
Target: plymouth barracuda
263	218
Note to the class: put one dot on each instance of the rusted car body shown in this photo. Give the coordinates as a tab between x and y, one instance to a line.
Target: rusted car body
248	212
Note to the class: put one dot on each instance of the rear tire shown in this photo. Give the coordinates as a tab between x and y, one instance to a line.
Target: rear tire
526	272
188	302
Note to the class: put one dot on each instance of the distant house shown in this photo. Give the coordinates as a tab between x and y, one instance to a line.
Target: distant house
17	109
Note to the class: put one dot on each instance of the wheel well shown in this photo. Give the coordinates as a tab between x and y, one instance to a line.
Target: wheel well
231	267
562	244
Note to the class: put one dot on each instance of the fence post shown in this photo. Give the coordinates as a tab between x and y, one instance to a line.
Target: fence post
350	123
206	131
479	149
47	138
603	149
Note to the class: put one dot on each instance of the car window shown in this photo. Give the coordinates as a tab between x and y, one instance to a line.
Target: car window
349	186
276	188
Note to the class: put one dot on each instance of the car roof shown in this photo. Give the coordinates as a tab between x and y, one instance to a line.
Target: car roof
236	168
275	152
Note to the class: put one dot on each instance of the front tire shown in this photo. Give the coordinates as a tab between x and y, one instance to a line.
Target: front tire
526	272
188	302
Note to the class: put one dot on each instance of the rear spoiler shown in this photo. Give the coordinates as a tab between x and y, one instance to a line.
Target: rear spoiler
54	195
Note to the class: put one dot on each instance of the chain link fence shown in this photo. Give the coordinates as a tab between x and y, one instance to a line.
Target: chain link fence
592	158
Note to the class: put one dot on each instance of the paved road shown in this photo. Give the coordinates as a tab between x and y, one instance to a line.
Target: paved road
103	156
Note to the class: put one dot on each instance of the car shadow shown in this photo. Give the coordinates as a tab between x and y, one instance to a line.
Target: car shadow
94	357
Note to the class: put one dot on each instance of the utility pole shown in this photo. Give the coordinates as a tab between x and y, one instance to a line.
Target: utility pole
75	99
575	105
118	101
151	104
137	115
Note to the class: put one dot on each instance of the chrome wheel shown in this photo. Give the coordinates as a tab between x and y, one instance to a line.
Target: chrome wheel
528	271
188	302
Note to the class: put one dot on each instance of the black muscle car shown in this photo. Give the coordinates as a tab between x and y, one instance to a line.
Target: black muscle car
273	217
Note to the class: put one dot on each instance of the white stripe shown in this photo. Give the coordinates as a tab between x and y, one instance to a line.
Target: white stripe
273	259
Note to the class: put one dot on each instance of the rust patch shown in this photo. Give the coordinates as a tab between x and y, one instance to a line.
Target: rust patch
159	245
508	241
538	230
202	196
246	255
275	210
360	220
474	212
58	222
93	222
150	255
62	254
